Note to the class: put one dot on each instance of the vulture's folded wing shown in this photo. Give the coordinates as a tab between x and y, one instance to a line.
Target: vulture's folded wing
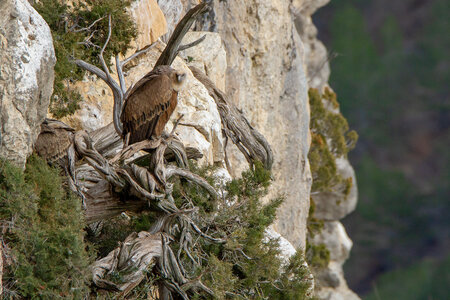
147	100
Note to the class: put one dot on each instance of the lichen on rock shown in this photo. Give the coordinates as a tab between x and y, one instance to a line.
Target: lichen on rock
27	59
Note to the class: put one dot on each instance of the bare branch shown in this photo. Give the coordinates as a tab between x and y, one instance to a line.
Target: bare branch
172	48
249	141
117	92
91	68
123	87
100	56
193	44
135	255
135	148
172	170
87	28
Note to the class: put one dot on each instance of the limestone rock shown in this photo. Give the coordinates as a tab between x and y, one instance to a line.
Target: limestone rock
316	55
336	240
174	10
96	107
209	56
334	205
27	59
267	80
150	22
286	248
331	285
330	281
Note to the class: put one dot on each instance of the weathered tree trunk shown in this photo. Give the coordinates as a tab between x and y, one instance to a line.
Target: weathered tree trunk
138	253
236	126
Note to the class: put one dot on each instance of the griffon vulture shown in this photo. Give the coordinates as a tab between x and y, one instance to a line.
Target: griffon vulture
150	103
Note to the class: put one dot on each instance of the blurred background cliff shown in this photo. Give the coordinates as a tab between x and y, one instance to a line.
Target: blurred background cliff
390	68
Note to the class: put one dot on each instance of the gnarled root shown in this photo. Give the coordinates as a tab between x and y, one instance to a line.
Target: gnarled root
136	255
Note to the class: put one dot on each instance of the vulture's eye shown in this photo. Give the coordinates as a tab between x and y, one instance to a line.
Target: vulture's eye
180	77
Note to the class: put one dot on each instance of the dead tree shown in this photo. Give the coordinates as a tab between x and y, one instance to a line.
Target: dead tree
111	173
114	181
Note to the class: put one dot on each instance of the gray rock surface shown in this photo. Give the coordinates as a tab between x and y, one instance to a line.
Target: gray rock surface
266	78
334	205
330	206
209	56
27	59
316	55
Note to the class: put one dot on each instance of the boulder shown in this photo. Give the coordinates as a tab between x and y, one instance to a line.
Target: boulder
334	205
27	59
334	237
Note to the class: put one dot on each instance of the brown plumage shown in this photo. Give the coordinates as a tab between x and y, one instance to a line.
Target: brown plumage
150	103
54	140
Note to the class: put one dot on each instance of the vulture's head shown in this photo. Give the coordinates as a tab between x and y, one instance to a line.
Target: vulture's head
178	80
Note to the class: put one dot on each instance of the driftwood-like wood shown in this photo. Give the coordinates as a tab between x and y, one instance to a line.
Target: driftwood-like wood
236	126
137	254
115	179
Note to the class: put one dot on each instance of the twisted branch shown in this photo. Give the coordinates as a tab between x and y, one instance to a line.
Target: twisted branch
236	126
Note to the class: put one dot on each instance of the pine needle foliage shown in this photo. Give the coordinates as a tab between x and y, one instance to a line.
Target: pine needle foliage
248	265
79	32
43	227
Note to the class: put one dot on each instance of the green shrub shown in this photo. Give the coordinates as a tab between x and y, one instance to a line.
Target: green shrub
77	35
317	256
330	139
45	233
248	264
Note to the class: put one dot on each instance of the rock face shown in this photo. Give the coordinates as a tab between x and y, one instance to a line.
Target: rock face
210	56
96	109
27	59
330	206
273	58
266	78
330	281
316	56
150	21
265	55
